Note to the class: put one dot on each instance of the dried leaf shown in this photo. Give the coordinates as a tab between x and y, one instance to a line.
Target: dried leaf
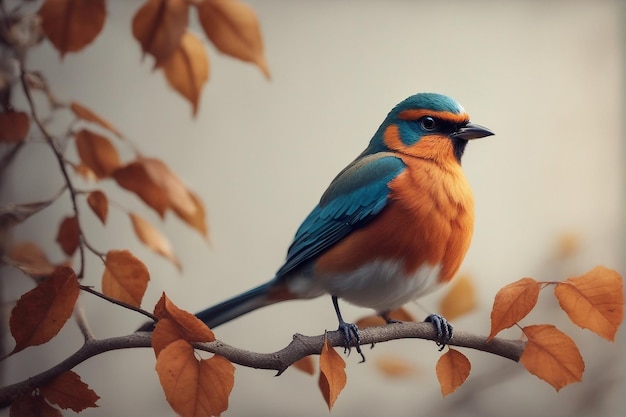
234	29
594	301
332	374
12	214
194	388
125	277
68	391
135	178
72	24
460	298
32	406
97	152
395	367
85	172
166	331
305	365
399	314
41	312
29	257
153	239
512	303
14	126
452	369
159	26
189	326
187	69
552	356
194	216
86	114
68	236
99	203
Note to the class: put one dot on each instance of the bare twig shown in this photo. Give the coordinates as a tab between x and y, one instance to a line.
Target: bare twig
139	310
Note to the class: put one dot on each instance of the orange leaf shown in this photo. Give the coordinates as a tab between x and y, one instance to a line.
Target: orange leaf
68	391
86	114
460	298
153	239
452	369
234	29
125	277
159	26
399	314
332	374
72	24
395	367
552	356
135	178
195	215
97	152
99	203
187	69
166	331
194	388
305	365
68	236
594	301
32	406
189	326
14	126
29	257
40	313
512	303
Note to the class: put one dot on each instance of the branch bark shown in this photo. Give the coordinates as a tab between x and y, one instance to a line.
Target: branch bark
300	347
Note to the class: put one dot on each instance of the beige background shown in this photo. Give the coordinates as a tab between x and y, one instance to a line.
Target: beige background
546	76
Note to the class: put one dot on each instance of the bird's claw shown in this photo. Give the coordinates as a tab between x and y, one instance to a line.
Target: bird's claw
351	333
442	327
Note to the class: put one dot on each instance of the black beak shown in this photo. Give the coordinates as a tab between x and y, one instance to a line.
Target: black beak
472	131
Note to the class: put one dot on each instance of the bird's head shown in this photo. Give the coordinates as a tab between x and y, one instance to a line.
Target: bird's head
427	125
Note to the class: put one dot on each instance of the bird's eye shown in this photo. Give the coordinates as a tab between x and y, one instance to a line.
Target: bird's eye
428	123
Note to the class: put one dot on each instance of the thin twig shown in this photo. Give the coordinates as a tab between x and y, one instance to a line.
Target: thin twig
139	310
81	322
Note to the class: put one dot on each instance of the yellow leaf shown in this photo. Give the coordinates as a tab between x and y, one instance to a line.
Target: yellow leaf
125	277
594	301
332	374
452	369
512	303
153	239
460	298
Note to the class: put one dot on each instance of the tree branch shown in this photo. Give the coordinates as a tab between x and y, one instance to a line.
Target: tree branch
300	347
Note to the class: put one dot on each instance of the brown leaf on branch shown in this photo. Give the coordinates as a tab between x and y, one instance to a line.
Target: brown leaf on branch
159	25
99	203
32	406
40	313
594	301
136	178
28	257
68	391
125	277
194	387
452	369
332	374
72	24
552	356
68	236
97	153
14	126
153	239
512	303
189	326
234	29
88	115
460	298
187	69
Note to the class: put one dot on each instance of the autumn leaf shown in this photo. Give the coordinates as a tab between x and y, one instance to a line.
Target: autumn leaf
99	203
40	313
29	257
394	366
194	215
153	239
68	236
512	303
189	326
234	29
552	356
166	331
97	153
68	391
332	374
594	301
187	69
14	126
32	406
452	369
125	277
305	365
135	178
72	24
194	387
86	114
399	314
159	26
460	298
12	214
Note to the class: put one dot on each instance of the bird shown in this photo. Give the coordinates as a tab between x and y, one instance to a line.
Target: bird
392	226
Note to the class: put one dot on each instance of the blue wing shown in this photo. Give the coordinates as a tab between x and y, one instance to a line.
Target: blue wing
354	197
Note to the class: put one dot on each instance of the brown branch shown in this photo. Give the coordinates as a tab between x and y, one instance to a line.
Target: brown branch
300	347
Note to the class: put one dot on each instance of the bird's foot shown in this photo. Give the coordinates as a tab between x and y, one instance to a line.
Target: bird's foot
389	320
351	338
442	327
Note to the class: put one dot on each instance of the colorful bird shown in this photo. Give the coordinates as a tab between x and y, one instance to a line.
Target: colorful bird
391	227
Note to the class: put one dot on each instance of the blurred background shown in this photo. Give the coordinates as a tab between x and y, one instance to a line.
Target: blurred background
547	77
